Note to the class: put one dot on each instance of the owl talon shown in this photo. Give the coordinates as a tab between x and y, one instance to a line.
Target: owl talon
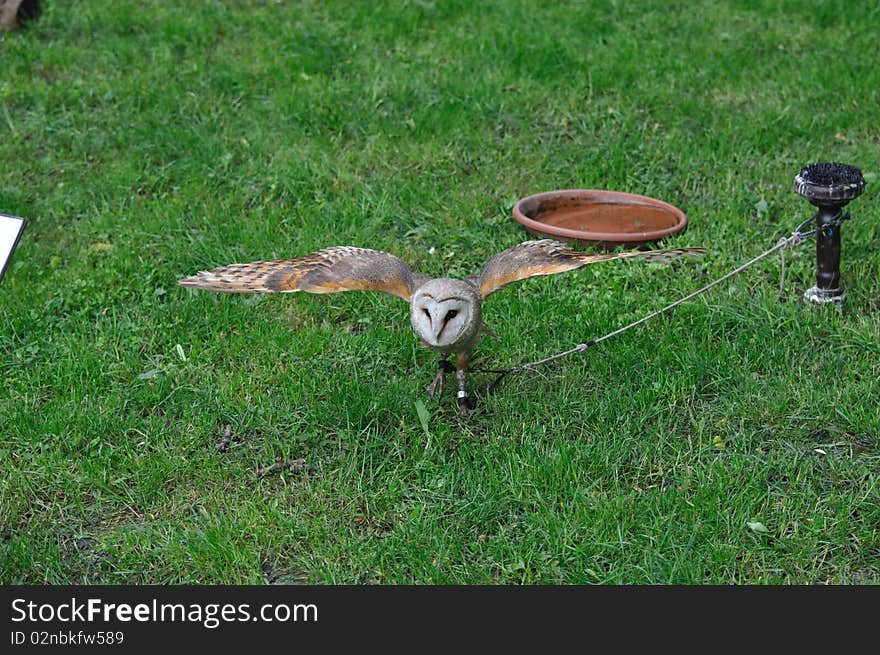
435	389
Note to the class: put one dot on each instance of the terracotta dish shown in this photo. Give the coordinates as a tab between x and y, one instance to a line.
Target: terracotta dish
605	219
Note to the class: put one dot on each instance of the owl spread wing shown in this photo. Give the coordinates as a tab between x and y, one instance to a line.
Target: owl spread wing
341	268
546	257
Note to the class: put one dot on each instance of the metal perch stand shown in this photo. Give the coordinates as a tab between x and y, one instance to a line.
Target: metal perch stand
830	187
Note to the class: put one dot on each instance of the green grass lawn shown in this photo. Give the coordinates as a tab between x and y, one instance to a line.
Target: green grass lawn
735	440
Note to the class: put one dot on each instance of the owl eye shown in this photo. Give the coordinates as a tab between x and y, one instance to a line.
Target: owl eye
426	312
452	313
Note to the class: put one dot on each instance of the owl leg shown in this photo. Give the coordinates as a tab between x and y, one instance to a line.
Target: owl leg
466	404
435	389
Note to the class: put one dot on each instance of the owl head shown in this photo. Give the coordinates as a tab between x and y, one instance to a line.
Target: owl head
445	313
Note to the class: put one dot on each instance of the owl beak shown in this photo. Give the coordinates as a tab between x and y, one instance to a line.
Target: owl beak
436	334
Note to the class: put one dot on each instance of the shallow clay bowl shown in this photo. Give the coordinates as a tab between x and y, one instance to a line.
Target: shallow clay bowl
604	219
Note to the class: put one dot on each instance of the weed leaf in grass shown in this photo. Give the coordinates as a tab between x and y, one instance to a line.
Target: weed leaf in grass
422	411
757	526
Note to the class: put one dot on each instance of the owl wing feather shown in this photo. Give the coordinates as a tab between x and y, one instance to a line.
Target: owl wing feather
332	270
547	257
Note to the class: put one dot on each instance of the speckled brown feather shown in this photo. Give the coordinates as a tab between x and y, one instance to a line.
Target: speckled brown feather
332	270
546	257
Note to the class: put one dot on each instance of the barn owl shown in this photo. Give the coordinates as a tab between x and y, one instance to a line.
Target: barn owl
446	314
